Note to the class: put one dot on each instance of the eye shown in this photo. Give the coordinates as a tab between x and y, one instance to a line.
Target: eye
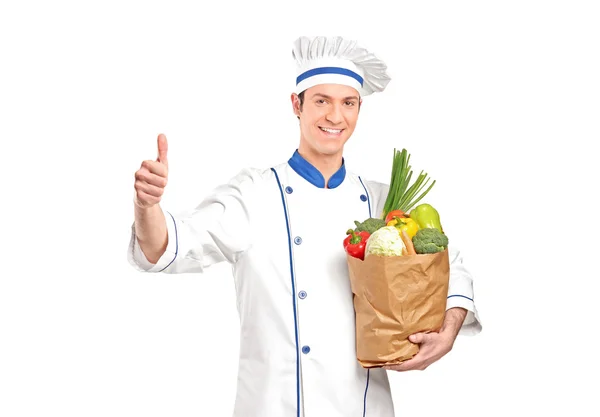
320	101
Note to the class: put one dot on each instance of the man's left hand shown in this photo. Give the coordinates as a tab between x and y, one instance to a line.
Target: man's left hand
432	346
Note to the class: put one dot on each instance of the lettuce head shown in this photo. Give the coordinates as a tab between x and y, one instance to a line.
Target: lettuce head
385	241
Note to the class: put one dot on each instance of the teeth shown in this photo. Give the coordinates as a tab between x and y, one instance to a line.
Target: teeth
331	130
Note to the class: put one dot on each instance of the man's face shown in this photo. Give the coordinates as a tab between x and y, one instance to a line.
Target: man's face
327	118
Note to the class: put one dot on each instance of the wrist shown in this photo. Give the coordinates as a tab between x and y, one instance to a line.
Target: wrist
453	321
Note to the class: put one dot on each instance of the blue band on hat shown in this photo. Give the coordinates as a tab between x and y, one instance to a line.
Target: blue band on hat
329	70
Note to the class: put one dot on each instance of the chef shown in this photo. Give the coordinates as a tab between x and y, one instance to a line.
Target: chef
297	332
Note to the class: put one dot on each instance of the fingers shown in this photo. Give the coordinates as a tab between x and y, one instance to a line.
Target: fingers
145	200
417	362
151	178
432	347
408	365
150	183
156	168
413	364
147	195
149	189
418	337
153	173
162	150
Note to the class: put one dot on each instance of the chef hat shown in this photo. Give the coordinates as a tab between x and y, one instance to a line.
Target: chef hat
334	60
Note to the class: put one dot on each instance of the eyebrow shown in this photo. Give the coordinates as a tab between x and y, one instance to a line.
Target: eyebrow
329	97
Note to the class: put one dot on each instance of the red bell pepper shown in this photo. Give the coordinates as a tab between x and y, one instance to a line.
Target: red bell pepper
355	243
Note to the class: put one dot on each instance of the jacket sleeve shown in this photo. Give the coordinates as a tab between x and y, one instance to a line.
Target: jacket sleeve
460	292
217	230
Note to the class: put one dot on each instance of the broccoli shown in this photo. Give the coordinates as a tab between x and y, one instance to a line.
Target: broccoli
370	225
429	240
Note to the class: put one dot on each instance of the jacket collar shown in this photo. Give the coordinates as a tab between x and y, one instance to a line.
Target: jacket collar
312	174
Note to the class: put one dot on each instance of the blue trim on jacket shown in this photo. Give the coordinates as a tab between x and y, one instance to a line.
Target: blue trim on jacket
176	244
311	174
293	293
459	295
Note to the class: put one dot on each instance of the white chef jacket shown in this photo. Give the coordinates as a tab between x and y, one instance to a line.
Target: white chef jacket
282	231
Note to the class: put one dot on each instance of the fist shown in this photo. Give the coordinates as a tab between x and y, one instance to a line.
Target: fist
151	178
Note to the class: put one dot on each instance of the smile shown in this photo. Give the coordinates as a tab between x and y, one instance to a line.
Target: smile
333	131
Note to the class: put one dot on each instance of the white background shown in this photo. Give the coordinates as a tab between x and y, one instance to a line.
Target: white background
497	101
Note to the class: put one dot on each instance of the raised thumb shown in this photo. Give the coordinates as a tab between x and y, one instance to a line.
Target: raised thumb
162	149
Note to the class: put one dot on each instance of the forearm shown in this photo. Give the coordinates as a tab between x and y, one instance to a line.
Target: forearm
151	231
453	321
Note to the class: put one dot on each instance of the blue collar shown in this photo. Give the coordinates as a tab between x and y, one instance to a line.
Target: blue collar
312	174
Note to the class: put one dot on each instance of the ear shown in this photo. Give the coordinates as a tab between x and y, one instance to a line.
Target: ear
295	104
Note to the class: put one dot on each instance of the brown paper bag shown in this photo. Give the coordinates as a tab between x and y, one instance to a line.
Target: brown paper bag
394	297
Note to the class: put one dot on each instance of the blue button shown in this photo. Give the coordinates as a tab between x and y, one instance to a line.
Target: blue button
297	240
305	349
289	190
363	197
302	294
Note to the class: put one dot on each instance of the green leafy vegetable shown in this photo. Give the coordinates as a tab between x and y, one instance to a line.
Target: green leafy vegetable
402	194
370	225
385	242
430	240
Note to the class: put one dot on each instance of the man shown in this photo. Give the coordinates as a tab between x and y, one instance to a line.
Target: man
297	352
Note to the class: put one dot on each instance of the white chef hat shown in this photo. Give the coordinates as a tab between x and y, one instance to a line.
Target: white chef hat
334	60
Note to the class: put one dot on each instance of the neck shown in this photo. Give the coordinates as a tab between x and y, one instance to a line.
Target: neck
327	165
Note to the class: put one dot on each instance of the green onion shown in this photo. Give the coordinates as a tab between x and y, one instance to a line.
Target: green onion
401	196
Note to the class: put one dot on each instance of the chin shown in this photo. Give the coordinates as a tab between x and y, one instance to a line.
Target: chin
326	146
330	149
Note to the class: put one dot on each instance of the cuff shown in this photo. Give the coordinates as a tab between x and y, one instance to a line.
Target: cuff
472	324
139	260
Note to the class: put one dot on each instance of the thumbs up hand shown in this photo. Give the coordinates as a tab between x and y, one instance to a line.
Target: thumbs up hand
151	178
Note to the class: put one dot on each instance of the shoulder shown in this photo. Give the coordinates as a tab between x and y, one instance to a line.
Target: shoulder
377	188
247	183
251	176
377	191
373	187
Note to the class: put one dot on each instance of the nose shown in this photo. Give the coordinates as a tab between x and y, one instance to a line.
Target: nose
335	114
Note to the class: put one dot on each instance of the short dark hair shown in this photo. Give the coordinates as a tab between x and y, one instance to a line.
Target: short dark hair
301	97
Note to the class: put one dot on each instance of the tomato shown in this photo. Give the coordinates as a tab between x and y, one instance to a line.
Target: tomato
392	214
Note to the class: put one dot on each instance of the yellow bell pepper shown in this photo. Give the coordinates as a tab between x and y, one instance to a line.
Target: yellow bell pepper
407	224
